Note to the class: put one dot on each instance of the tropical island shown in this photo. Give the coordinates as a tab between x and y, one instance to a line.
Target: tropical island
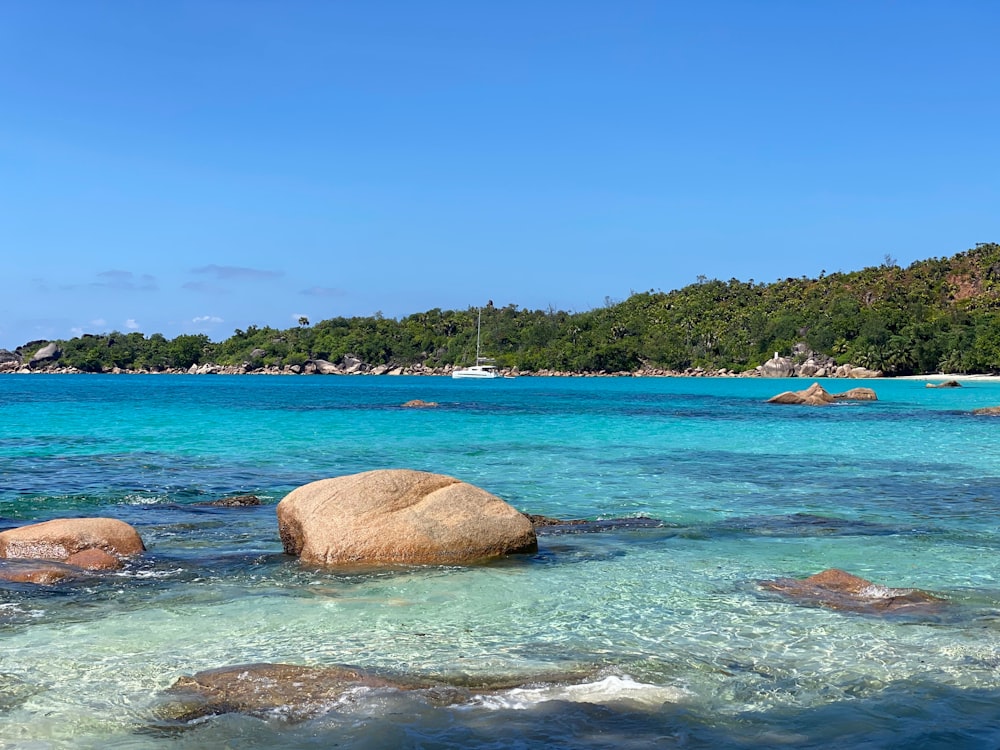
936	315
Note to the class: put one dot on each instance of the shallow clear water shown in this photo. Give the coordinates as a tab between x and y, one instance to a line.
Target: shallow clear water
662	636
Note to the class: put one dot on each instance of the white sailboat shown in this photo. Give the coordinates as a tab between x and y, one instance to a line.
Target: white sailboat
483	369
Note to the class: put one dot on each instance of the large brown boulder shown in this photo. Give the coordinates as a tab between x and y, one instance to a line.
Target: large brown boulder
64	538
399	516
840	590
989	411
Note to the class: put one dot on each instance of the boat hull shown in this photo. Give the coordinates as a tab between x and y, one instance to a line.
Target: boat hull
476	372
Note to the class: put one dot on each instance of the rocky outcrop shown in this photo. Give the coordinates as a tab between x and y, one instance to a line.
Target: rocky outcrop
321	367
419	404
817	395
64	540
399	516
46	355
840	590
548	525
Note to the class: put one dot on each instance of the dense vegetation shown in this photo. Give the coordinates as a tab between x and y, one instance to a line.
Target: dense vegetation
936	315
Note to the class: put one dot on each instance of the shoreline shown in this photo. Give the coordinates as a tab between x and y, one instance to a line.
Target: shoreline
511	374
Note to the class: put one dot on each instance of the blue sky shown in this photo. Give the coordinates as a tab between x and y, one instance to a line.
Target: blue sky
197	167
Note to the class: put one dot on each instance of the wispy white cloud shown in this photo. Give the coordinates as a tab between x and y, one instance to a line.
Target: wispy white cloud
204	287
323	291
118	281
125	281
236	273
207	319
131	324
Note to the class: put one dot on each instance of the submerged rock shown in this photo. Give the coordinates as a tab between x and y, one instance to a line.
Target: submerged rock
840	590
403	516
294	692
545	524
235	501
41	572
800	525
63	538
989	411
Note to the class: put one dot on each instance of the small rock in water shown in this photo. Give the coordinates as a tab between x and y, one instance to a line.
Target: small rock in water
945	384
840	590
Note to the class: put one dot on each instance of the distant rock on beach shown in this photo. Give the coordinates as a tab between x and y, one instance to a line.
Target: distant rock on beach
47	354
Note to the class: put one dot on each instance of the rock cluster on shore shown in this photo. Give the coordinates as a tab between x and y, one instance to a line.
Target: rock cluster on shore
803	363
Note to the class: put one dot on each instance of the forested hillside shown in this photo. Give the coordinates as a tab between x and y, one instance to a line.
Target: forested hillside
941	314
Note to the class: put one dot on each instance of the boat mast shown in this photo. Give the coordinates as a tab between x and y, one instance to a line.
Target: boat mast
479	328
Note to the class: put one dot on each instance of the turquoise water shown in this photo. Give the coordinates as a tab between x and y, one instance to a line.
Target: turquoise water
662	635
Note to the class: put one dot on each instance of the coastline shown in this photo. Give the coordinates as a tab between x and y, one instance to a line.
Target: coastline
445	372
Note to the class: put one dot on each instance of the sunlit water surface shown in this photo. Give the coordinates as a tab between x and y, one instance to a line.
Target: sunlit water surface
657	637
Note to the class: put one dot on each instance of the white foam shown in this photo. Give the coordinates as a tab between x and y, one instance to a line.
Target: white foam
10	609
609	690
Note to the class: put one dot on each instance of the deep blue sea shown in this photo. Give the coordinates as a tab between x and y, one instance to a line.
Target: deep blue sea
663	636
